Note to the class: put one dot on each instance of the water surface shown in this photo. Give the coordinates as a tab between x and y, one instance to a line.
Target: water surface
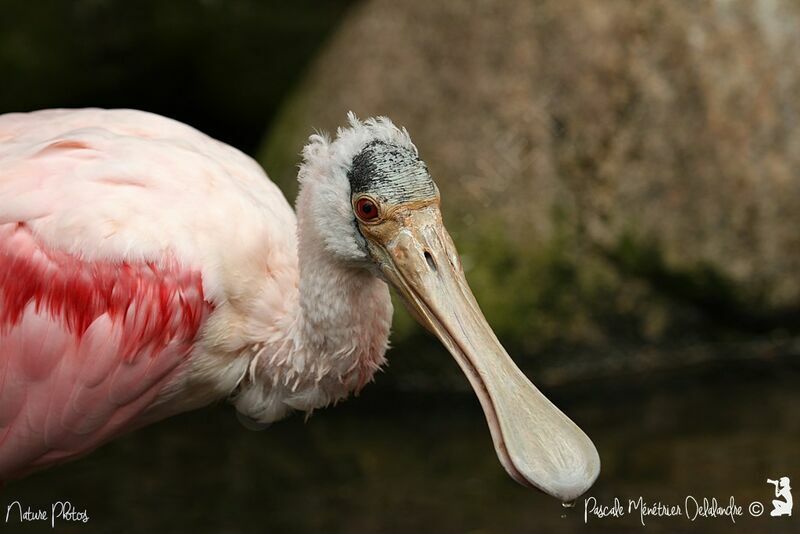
405	462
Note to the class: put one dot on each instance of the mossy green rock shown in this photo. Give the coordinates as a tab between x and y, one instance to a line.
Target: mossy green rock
611	172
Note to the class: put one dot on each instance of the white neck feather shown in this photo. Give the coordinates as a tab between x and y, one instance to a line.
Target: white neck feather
330	340
308	338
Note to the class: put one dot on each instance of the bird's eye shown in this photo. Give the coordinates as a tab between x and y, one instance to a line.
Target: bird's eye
366	209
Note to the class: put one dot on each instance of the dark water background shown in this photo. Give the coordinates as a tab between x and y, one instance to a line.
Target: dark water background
405	462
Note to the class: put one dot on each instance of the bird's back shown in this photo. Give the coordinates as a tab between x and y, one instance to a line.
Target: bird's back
121	234
112	184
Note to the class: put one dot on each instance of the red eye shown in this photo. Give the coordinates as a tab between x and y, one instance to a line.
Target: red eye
366	209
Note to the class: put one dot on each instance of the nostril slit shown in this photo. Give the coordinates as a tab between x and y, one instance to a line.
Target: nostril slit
429	259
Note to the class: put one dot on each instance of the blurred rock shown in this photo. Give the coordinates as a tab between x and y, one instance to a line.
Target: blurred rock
610	171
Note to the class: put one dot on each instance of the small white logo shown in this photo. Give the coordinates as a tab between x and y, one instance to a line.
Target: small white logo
783	503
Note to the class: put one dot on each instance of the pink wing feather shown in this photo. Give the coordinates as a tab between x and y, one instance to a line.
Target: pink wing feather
85	347
115	238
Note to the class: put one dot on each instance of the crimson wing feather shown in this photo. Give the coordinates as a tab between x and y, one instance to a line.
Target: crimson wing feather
85	346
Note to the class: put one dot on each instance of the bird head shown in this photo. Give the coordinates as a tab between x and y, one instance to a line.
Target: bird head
381	211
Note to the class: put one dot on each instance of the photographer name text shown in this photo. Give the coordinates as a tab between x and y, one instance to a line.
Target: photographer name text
692	509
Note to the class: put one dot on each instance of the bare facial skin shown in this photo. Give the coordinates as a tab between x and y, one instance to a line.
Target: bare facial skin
537	444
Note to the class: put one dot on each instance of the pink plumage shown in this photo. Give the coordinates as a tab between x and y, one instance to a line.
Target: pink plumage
84	346
147	269
92	331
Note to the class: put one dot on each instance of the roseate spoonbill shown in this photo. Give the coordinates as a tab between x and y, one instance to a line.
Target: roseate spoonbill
147	269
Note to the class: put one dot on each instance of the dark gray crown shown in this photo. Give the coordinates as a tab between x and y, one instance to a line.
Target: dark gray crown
391	173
